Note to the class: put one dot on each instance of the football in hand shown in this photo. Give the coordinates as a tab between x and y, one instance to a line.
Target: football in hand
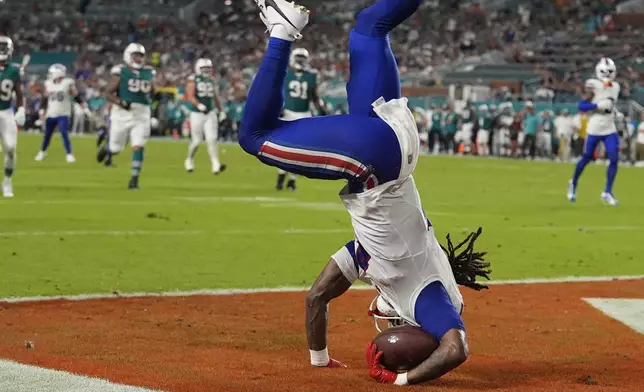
404	347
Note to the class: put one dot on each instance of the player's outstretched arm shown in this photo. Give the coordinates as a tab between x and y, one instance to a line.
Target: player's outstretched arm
331	283
451	352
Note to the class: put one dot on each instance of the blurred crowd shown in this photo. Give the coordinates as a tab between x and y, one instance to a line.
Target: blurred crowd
501	131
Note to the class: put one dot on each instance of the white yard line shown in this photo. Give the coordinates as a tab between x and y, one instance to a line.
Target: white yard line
115	233
289	289
16	377
628	311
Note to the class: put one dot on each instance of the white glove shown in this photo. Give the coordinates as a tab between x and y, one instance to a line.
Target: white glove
202	108
222	116
154	123
20	116
605	105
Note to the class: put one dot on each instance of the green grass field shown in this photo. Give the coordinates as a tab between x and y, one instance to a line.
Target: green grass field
76	229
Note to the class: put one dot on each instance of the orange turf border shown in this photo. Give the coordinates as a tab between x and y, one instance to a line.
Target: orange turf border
541	337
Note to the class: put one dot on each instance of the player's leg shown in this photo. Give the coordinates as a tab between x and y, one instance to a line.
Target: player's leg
611	143
197	122
373	68
211	129
139	137
63	128
281	178
331	147
589	149
9	133
117	139
50	127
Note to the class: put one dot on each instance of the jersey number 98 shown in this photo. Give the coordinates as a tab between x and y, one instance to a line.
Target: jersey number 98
138	85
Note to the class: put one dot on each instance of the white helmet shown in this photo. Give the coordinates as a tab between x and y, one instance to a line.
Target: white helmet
6	48
299	59
201	64
605	70
57	71
132	49
381	310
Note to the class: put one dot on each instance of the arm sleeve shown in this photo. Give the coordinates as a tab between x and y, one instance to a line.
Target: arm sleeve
435	313
586	106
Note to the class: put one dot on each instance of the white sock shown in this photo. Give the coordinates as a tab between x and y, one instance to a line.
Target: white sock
292	177
213	151
320	358
279	31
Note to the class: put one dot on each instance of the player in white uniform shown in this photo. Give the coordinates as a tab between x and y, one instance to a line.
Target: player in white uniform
201	91
375	148
601	98
57	105
10	85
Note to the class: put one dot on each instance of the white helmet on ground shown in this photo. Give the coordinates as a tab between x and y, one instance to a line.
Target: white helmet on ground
299	59
57	71
6	48
203	67
381	310
605	70
130	51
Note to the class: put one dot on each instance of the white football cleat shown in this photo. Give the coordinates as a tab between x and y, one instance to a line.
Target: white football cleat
70	158
189	164
7	188
290	16
609	199
572	192
40	156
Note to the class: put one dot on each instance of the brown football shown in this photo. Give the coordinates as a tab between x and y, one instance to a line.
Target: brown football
404	347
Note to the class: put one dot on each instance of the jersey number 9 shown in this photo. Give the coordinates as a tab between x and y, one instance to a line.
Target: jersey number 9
205	90
6	88
138	85
298	89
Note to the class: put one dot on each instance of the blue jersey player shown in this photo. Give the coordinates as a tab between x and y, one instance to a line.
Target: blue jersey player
375	148
602	93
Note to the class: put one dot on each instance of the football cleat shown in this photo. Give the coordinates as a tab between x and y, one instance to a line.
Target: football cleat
572	192
189	165
134	183
70	158
40	156
7	188
221	169
609	199
290	185
290	16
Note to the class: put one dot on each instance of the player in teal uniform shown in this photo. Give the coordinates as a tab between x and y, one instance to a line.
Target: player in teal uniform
131	92
486	120
10	83
201	92
300	92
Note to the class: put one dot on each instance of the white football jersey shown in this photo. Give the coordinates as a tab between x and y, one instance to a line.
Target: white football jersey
59	97
390	224
600	124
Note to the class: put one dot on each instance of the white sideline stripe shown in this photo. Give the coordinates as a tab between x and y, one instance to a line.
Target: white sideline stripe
628	311
289	289
118	233
16	377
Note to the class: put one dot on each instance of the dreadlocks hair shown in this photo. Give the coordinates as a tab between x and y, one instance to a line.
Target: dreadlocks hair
468	265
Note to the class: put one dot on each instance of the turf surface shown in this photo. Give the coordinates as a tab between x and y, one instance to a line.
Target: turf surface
77	229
